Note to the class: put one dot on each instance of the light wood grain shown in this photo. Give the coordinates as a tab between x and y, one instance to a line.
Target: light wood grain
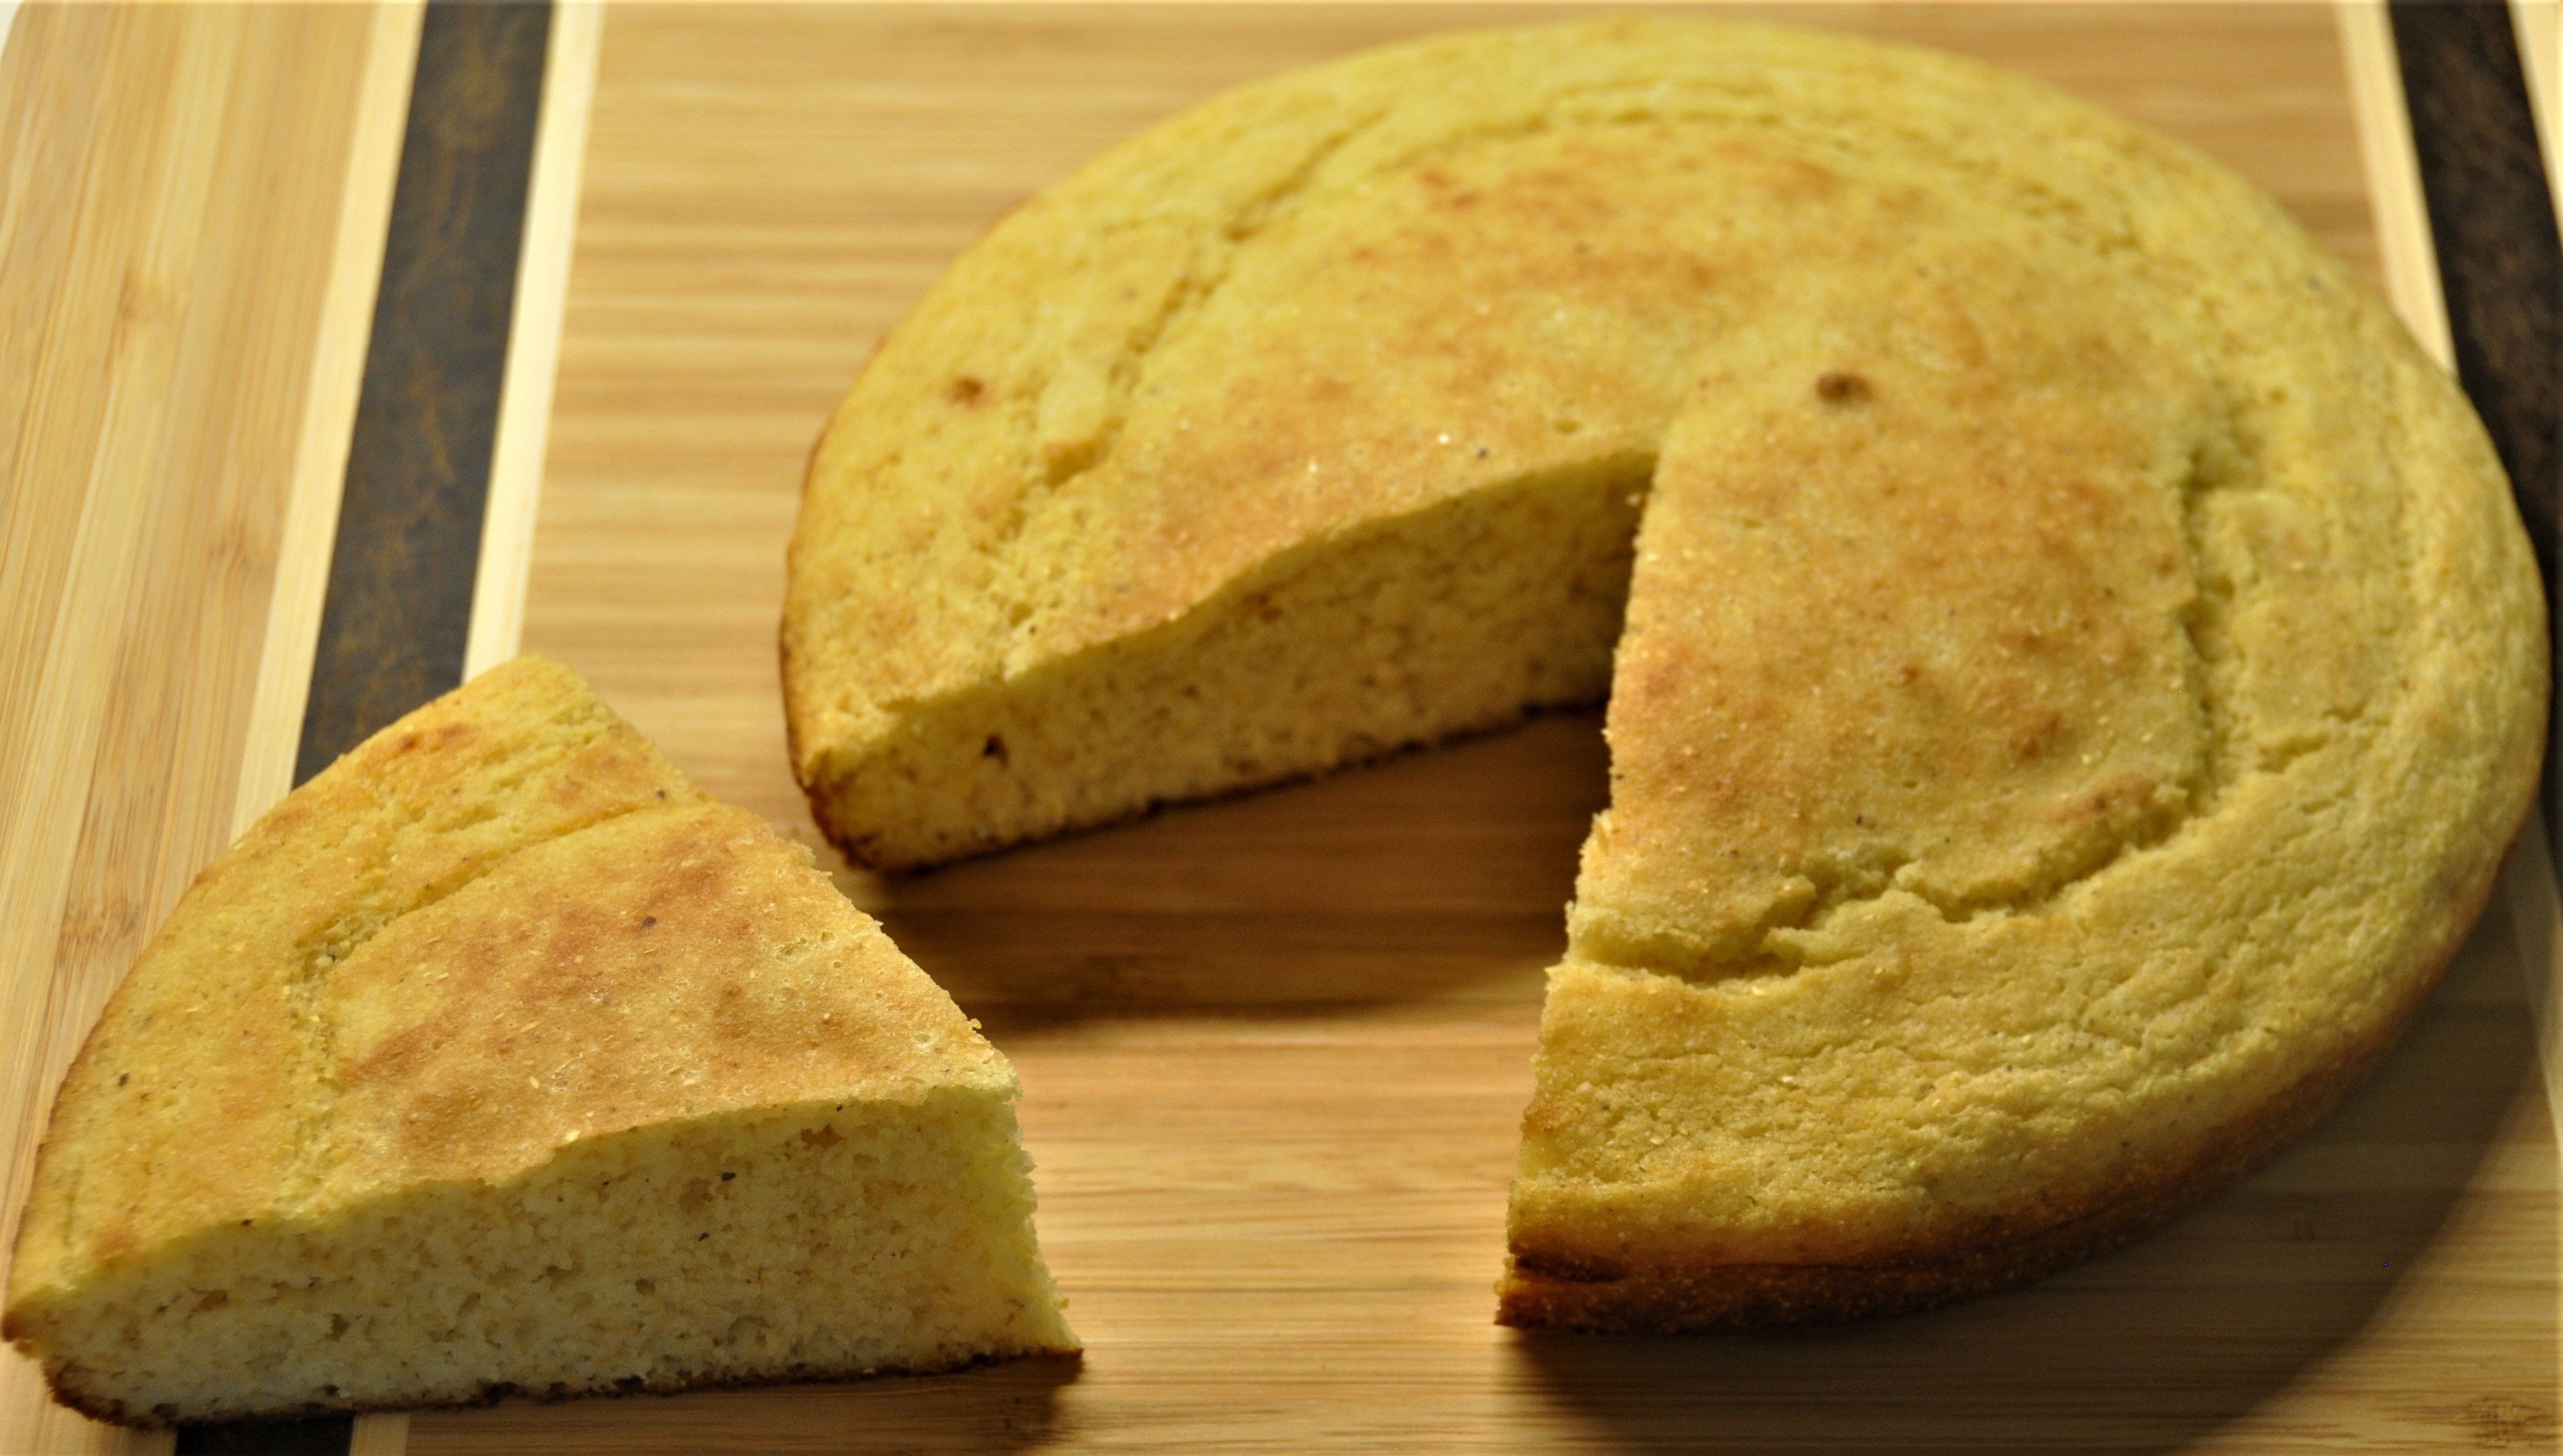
2405	257
172	183
533	337
1274	1050
384	1433
2540	55
336	370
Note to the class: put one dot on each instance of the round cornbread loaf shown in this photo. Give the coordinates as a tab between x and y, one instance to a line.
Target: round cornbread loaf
2073	664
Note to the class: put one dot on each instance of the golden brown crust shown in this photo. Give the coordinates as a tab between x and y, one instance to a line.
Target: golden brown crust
148	1137
501	945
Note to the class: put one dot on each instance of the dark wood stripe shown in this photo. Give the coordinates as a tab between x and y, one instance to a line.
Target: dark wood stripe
269	1438
2500	261
399	603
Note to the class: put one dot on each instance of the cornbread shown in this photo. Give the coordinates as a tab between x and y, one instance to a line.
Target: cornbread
496	1058
2073	664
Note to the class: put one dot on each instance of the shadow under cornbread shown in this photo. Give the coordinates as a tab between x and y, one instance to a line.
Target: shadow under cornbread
1308	1245
2207	1330
1436	873
1013	1406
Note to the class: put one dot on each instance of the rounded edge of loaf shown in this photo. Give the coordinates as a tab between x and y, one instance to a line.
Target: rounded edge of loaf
1571	1295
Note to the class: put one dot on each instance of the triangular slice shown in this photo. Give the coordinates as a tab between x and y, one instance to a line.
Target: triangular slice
498	1058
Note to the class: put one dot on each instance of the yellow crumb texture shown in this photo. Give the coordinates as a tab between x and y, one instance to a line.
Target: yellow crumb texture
497	1058
2073	664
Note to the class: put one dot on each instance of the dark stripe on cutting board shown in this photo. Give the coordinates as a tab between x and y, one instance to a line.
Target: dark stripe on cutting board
399	603
2501	263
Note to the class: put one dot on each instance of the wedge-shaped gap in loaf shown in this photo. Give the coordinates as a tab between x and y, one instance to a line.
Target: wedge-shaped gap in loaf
1916	645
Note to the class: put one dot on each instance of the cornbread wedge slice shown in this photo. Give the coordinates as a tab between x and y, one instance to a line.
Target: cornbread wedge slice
2075	673
496	1058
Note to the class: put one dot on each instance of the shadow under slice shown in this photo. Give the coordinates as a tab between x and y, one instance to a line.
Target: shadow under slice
1436	873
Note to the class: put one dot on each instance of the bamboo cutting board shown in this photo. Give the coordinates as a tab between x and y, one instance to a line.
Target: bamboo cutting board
1274	1050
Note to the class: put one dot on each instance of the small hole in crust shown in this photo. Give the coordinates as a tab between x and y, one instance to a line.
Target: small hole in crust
995	748
1837	387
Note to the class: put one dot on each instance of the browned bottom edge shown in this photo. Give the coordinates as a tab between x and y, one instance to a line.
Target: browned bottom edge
115	1413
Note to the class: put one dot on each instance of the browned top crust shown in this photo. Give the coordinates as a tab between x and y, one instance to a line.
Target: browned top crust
503	924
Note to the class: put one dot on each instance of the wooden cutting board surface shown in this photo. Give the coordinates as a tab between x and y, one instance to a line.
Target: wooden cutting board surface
1274	1050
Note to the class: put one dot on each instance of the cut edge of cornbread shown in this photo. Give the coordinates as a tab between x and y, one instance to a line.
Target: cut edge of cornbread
636	1261
1458	618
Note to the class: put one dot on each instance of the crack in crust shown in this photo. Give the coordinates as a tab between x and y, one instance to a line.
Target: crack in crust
1785	937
